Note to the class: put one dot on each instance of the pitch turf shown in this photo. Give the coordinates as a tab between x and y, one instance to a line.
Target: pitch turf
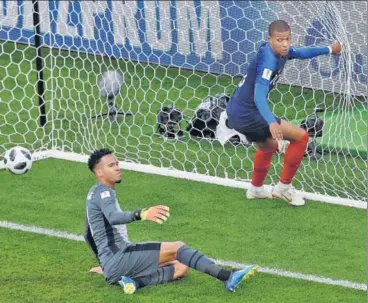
319	239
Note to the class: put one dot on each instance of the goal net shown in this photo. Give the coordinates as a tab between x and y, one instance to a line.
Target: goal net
178	53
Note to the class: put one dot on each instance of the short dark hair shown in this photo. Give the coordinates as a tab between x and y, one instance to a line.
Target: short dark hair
279	26
96	156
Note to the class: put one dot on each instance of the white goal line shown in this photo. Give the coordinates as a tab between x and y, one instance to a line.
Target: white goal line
267	270
170	172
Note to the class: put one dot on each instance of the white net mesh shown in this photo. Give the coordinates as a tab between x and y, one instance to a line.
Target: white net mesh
179	53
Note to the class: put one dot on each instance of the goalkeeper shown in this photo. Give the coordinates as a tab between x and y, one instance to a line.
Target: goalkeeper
249	113
135	265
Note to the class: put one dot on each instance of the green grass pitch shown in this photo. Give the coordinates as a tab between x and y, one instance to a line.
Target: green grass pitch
319	239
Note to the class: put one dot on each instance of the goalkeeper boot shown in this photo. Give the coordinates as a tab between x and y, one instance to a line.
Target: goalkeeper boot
257	193
289	194
128	285
237	276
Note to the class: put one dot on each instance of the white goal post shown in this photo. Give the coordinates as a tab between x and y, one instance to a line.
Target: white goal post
177	53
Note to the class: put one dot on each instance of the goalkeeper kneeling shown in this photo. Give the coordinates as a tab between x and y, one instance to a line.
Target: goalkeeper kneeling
135	265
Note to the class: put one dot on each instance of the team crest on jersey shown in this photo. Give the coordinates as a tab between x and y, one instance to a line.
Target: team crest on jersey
267	73
105	194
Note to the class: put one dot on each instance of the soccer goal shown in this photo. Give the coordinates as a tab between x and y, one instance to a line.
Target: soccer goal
175	54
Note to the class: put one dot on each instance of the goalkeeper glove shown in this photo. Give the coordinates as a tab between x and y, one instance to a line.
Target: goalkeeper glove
158	214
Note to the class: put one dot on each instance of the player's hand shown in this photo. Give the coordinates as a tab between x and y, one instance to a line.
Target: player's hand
276	131
96	270
158	213
335	48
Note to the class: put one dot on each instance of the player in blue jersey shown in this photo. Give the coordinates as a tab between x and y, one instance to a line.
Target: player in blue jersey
249	113
135	265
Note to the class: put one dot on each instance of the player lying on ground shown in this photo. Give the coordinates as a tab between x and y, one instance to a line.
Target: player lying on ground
248	112
135	265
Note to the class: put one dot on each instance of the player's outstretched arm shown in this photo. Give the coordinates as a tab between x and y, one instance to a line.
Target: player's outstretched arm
314	51
115	216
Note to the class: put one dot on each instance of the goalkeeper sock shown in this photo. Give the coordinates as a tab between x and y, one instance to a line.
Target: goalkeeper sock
262	163
196	260
293	157
162	275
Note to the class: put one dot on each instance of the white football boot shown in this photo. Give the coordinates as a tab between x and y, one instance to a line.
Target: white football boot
288	193
257	193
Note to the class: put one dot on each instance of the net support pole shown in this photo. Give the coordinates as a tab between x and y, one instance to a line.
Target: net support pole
39	62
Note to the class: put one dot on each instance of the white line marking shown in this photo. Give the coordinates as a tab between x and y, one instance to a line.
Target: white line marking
40	230
171	172
290	274
272	271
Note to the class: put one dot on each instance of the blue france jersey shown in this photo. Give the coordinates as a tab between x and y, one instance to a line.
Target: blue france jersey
248	107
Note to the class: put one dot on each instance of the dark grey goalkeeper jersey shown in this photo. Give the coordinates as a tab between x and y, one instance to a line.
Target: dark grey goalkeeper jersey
105	230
